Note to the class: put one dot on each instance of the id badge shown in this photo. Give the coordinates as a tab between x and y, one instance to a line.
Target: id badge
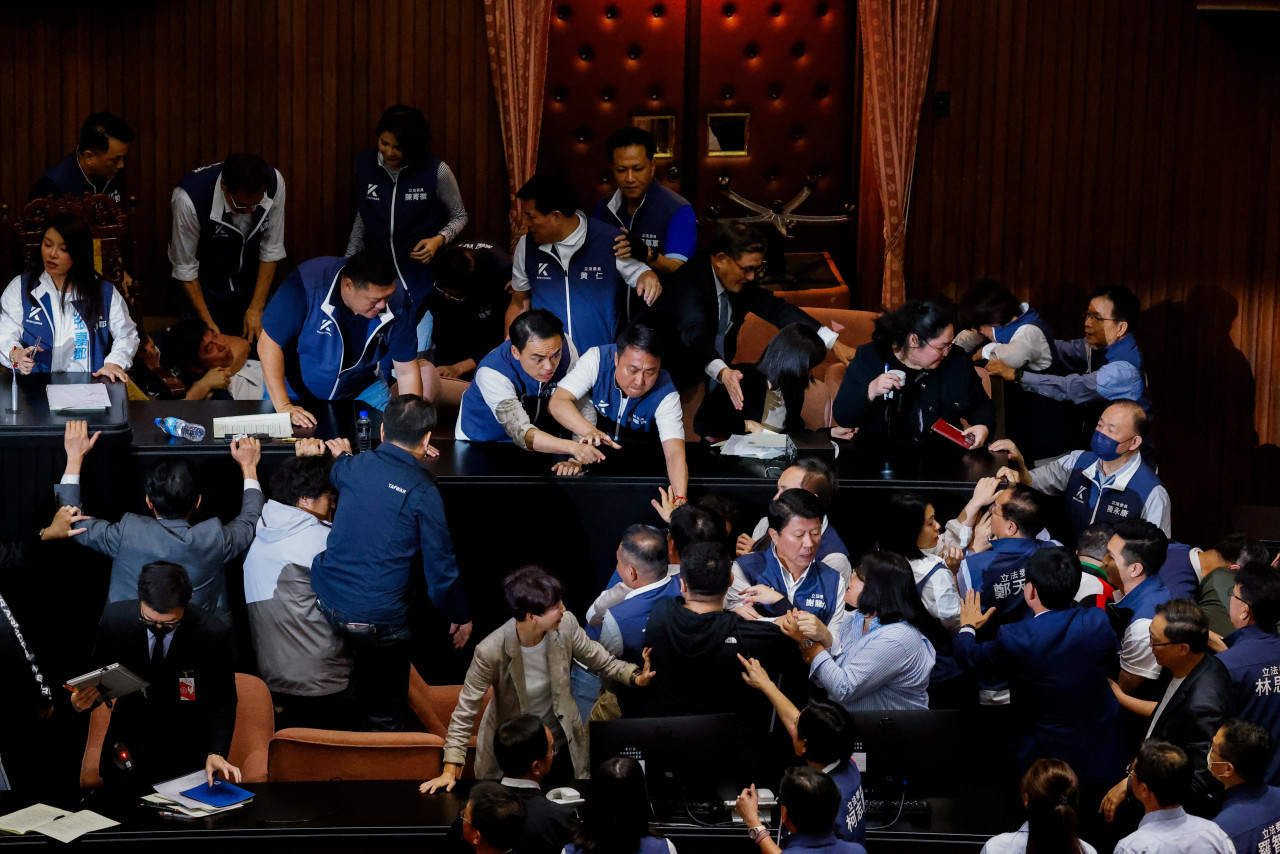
187	687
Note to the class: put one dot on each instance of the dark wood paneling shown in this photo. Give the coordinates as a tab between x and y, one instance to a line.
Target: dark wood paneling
1128	141
301	83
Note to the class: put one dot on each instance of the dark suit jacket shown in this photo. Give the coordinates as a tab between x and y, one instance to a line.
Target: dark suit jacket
169	736
689	313
1200	706
717	416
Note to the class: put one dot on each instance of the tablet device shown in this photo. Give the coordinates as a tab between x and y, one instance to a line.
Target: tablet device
112	681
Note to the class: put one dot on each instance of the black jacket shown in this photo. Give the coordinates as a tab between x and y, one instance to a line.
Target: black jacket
1194	713
689	312
167	735
718	418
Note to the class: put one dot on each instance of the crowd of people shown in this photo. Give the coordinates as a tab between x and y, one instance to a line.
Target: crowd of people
1141	675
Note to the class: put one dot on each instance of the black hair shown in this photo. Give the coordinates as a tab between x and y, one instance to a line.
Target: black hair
693	524
535	323
1249	748
901	524
1141	423
549	194
1185	623
646	547
615	814
99	129
811	798
1165	770
454	266
889	590
411	130
370	267
164	586
1125	303
631	135
182	345
531	590
707	568
1056	574
245	172
1144	543
1260	589
1093	540
519	743
82	282
819	478
1240	548
988	303
172	486
921	318
826	728
497	814
644	338
736	238
301	477
408	419
1023	509
791	504
726	508
788	362
1052	794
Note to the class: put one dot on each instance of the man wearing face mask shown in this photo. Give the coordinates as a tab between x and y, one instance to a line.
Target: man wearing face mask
1108	483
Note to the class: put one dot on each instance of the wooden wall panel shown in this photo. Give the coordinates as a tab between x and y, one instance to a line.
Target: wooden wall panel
301	83
1129	141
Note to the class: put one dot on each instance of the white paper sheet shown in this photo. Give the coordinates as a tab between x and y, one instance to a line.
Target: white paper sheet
75	825
27	820
79	396
275	424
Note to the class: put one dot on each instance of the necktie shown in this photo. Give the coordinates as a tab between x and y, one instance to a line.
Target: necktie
722	329
157	653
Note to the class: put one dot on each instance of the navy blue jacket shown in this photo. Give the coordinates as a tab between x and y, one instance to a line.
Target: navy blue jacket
1253	660
1000	573
805	843
399	213
1249	814
1057	665
66	176
390	513
1178	575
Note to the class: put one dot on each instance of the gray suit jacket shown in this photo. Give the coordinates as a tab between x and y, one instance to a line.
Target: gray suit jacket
201	549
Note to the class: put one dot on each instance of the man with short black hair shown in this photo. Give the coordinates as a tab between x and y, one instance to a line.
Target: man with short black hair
633	402
1160	779
525	750
816	475
1134	553
658	225
1091	550
1239	757
95	165
468	305
1216	567
1253	655
565	263
390	515
808	802
211	364
334	330
172	494
492	819
226	216
187	716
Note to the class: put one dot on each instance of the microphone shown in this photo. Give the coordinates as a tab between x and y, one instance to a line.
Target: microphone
122	756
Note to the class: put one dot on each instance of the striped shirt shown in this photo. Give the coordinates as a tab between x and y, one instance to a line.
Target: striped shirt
885	668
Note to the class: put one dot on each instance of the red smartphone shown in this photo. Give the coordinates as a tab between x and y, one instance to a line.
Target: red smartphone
947	431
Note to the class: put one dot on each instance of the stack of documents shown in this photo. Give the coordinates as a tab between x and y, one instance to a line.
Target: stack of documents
761	446
192	795
275	424
80	397
59	824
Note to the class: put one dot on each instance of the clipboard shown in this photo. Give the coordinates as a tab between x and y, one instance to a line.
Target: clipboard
113	681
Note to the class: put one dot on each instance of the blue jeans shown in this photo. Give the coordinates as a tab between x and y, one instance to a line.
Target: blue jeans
381	656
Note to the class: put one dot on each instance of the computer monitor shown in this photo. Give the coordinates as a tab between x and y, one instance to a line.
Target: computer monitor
924	751
687	760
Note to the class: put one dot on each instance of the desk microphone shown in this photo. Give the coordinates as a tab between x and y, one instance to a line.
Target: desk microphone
122	756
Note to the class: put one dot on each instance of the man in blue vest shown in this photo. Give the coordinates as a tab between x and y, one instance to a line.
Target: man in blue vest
228	237
659	226
1238	757
509	400
1134	555
770	583
566	264
330	331
1253	654
642	567
1057	666
1108	483
95	165
816	475
633	402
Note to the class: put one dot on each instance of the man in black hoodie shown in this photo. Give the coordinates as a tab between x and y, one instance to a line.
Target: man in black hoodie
694	643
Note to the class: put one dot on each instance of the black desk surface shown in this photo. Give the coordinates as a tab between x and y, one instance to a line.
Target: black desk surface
33	417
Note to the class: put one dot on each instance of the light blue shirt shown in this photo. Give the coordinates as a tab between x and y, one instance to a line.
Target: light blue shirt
1016	843
1172	831
886	668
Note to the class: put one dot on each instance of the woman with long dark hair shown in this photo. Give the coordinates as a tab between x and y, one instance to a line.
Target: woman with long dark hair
1051	797
884	658
909	377
60	315
615	815
773	389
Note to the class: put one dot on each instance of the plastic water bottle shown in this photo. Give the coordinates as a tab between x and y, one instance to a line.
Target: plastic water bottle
364	431
181	429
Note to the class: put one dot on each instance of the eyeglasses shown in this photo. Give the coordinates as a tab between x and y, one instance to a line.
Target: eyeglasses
754	270
239	208
1154	642
444	293
1237	598
1097	318
944	349
1128	769
156	624
462	816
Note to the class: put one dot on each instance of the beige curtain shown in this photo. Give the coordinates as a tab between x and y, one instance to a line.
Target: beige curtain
897	40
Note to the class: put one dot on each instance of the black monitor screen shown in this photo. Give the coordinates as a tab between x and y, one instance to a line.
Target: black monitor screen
922	749
689	758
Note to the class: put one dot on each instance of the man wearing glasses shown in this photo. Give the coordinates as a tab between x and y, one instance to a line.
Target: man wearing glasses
224	216
709	298
1253	654
186	717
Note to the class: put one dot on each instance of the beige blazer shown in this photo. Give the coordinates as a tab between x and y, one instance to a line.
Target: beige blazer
499	662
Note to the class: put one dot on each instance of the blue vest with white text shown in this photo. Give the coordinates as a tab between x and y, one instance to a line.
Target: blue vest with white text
37	324
650	220
1086	503
632	615
316	365
228	260
818	593
1030	317
70	178
476	418
398	213
639	421
850	824
1000	573
586	296
1126	350
1253	660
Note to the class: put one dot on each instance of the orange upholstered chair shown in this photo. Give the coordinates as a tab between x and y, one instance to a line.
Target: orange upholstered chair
433	704
298	754
756	334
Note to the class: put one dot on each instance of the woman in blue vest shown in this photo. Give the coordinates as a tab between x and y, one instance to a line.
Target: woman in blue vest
60	315
773	389
616	814
406	201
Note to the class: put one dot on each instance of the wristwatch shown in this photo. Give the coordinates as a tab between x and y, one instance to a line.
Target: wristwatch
757	833
807	643
1017	375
